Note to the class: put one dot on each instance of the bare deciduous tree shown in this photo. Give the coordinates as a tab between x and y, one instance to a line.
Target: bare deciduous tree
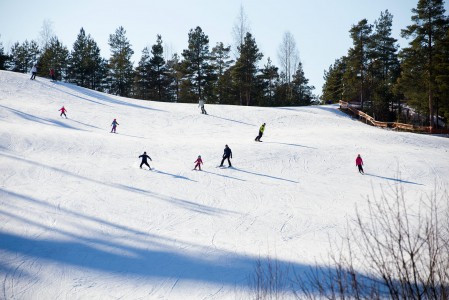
288	55
46	33
239	30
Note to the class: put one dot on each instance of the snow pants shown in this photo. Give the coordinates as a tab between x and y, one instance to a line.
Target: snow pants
229	161
360	169
145	163
198	165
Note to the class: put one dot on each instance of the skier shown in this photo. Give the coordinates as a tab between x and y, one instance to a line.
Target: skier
114	125
201	104
261	130
63	110
359	164
198	162
226	155
144	157
33	72
52	74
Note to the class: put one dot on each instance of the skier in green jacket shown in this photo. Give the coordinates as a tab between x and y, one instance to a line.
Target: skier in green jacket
261	130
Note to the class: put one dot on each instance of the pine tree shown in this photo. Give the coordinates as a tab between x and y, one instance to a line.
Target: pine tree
120	65
174	77
196	65
3	57
54	56
157	70
383	70
302	92
429	28
269	80
245	69
24	56
86	66
220	63
142	76
358	59
334	88
442	77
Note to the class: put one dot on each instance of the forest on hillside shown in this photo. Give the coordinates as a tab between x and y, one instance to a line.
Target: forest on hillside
409	85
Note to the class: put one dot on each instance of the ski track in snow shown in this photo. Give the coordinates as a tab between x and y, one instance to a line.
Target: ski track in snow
79	219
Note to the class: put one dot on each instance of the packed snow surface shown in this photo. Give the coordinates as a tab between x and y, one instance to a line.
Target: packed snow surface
80	220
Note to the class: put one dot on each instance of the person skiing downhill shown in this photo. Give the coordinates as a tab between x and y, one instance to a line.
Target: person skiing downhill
114	125
33	72
201	104
226	155
144	157
261	130
198	162
63	110
359	164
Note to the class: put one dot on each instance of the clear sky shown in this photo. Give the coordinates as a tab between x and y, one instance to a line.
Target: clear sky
320	27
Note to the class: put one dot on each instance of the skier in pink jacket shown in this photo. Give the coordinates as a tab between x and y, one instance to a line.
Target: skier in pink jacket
63	110
359	163
198	162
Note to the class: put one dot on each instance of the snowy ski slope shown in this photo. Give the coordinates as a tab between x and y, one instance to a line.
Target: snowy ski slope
80	220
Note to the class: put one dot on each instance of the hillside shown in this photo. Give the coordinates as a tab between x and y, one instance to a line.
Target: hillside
80	220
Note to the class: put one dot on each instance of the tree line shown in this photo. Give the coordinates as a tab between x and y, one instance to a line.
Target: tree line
410	85
197	73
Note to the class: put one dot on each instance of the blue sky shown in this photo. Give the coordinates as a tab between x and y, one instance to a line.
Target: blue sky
320	28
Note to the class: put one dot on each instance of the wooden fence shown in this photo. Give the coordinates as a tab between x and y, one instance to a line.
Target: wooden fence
395	125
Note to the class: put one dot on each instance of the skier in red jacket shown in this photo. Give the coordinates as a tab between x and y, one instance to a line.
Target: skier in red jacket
198	162
359	163
63	110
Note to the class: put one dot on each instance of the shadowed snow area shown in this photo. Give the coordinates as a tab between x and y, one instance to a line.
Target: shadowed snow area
80	220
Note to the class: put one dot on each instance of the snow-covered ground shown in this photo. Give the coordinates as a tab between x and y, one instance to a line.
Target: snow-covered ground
80	220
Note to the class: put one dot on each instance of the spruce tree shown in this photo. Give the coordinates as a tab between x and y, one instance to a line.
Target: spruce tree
120	65
269	80
302	92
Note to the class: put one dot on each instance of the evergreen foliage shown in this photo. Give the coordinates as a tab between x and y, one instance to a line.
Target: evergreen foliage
157	72
196	66
3	57
245	69
54	56
86	66
429	28
120	65
24	56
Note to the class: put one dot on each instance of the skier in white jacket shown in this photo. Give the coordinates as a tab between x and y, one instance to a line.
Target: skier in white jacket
201	104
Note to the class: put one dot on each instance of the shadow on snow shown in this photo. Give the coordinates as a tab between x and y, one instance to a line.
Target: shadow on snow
97	96
126	252
393	179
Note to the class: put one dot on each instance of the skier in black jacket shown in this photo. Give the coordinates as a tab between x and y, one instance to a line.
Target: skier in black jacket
226	155
144	157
